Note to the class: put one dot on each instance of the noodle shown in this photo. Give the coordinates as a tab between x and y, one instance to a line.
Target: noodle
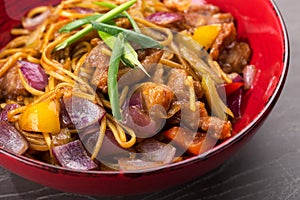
70	75
100	138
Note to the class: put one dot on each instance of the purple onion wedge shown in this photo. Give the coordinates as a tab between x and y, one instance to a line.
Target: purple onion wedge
6	109
11	139
156	151
249	74
32	23
234	99
34	74
83	10
151	153
164	18
110	146
234	102
83	112
65	120
73	156
130	164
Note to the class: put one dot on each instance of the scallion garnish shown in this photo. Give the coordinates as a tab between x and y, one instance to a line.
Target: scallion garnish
83	21
112	82
112	5
138	38
107	16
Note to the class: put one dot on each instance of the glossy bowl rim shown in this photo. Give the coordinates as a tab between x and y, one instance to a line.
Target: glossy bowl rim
217	149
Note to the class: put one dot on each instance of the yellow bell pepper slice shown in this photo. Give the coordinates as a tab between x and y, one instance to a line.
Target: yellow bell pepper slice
41	117
206	35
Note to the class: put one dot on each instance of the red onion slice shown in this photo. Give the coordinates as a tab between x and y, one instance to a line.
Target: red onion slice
156	151
249	73
83	112
31	23
164	18
6	109
34	74
73	156
11	139
234	102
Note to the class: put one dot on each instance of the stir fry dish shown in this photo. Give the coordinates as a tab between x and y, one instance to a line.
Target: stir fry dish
121	85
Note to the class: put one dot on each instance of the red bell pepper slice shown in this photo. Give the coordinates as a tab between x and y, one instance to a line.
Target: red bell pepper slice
232	87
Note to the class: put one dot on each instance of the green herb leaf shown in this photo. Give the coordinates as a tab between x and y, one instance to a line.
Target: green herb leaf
112	5
107	16
112	82
138	38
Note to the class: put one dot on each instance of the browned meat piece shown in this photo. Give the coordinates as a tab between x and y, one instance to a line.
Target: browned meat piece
216	127
202	110
192	120
97	59
194	142
100	78
198	89
176	78
224	39
11	86
152	58
234	58
156	94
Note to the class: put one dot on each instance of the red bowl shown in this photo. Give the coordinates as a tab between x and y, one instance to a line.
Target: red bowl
258	21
